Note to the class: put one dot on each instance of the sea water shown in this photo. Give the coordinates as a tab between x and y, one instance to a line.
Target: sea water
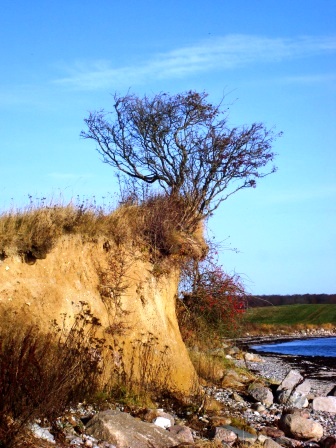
301	347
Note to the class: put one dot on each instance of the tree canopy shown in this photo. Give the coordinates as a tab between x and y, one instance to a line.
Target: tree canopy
183	144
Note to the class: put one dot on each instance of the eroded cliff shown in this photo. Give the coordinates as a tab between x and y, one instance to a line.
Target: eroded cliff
134	305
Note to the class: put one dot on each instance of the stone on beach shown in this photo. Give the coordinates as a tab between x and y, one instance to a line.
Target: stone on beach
224	435
293	390
252	357
261	393
326	404
269	443
293	378
182	432
297	425
124	430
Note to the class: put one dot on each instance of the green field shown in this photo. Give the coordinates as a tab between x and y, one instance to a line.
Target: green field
292	315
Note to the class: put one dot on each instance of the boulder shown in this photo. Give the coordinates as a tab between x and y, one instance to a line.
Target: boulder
124	431
326	404
293	391
252	357
292	379
183	433
300	427
297	400
269	443
261	393
273	432
290	443
224	435
303	388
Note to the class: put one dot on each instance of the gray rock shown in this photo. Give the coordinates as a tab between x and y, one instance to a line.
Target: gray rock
288	442
303	388
297	400
269	443
262	438
291	380
223	434
252	357
293	394
237	397
298	426
126	431
282	396
183	433
261	393
326	404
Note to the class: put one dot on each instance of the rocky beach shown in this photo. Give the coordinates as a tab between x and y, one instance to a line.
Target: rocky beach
286	393
319	369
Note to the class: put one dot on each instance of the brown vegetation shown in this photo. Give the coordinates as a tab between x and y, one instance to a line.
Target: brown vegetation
154	226
41	374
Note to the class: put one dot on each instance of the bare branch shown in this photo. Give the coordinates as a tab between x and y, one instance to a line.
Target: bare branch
184	144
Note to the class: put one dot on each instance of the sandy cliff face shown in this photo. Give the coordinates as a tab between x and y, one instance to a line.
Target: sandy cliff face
135	307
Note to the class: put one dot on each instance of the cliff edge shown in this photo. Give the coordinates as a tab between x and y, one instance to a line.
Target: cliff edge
121	288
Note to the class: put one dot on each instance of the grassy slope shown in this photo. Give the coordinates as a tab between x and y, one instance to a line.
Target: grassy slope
293	314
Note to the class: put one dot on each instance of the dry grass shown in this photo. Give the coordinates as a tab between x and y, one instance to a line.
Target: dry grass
209	367
33	231
155	226
42	374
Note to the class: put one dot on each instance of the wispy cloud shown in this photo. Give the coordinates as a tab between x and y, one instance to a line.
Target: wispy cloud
310	79
220	53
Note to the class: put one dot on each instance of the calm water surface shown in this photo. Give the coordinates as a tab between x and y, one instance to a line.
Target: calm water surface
302	347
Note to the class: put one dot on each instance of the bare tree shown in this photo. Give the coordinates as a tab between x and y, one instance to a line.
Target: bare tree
184	144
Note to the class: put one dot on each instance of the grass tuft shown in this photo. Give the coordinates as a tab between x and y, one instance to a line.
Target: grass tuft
41	374
154	225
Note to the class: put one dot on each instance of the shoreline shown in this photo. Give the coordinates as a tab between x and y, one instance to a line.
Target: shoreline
318	369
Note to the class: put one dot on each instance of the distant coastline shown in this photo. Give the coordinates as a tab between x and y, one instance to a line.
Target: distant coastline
294	299
319	368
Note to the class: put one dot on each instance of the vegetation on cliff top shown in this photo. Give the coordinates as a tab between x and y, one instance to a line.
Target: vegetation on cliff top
151	225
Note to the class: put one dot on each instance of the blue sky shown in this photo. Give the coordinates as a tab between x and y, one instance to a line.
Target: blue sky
274	61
